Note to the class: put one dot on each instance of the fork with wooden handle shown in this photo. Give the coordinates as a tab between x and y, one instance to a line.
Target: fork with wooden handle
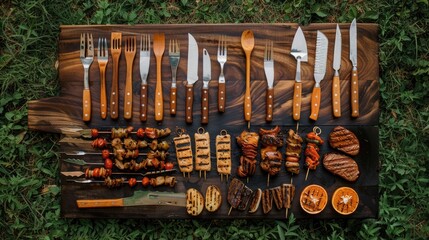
144	71
158	50
130	53
174	56
102	58
115	50
86	57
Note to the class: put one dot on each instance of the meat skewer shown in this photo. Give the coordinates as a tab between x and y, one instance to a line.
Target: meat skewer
88	175
293	152
271	158
312	156
248	141
184	152
223	154
202	151
116	182
151	133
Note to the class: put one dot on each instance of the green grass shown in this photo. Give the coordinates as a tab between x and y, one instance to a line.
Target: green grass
29	181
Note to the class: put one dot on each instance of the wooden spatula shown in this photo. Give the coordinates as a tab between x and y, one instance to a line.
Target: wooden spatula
158	50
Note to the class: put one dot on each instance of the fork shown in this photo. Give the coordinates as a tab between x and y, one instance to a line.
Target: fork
115	49
86	57
102	58
221	58
130	53
269	74
144	71
174	56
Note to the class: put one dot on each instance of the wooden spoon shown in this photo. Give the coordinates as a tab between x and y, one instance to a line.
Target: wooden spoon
247	43
158	50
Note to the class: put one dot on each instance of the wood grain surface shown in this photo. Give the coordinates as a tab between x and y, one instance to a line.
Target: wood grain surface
62	113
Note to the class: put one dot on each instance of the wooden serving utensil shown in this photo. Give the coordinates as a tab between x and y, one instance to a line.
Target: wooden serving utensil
130	53
158	50
247	43
115	49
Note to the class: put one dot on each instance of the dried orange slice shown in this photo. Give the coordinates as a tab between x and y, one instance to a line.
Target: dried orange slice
345	200
313	199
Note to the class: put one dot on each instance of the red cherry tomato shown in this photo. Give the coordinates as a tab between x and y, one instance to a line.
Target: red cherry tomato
108	164
94	133
162	165
105	153
96	172
140	133
145	181
132	182
169	166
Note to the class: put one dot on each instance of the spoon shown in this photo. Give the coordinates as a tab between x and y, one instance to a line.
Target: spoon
247	43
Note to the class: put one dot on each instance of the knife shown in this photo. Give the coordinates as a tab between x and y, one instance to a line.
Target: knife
82	174
353	58
207	74
319	73
140	198
299	51
336	99
192	76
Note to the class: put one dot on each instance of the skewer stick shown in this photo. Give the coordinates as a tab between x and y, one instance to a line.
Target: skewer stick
247	180
287	211
248	125
221	178
268	180
230	209
306	175
205	177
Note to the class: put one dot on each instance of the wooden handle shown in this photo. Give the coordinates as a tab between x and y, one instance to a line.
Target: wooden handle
336	97
355	94
103	97
143	103
189	103
247	99
269	105
100	203
315	103
114	94
128	98
86	101
205	106
159	100
221	97
173	100
296	101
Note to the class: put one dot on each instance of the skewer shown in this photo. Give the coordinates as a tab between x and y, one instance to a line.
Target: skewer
306	175
230	209
268	180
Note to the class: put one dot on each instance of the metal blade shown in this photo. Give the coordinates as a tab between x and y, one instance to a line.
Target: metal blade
337	50
192	60
353	43
299	46
156	198
321	57
207	71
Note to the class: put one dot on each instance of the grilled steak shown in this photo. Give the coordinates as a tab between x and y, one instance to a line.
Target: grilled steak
342	166
344	140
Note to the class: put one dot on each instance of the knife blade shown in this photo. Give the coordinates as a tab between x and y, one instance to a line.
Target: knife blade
192	77
299	51
336	99
140	198
354	89
319	73
82	174
207	74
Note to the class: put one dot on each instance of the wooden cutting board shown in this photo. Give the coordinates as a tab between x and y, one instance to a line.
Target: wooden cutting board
59	114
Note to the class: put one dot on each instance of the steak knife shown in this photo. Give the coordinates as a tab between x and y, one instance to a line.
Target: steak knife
336	99
299	51
354	89
192	77
319	73
140	198
205	91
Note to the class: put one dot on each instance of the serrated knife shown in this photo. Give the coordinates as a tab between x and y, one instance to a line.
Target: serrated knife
336	93
207	74
299	51
140	198
319	73
354	89
192	77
